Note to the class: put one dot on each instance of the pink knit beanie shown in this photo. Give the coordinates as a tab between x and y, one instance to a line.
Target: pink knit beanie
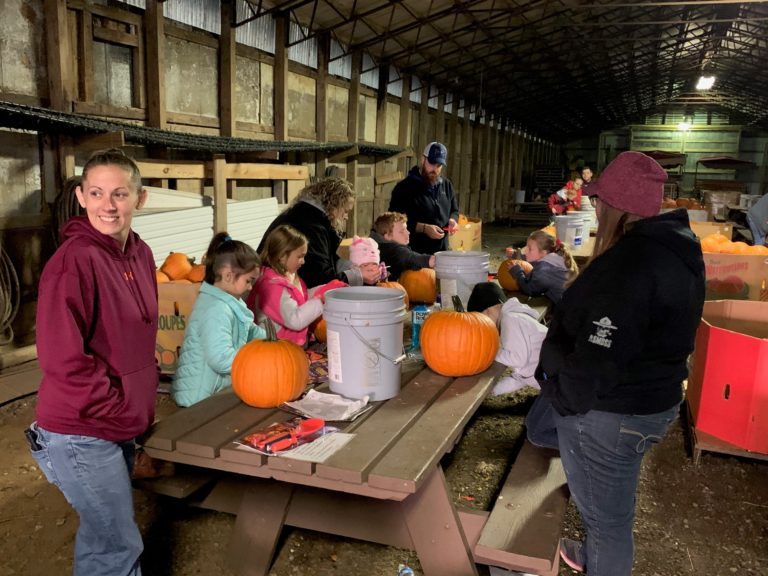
632	182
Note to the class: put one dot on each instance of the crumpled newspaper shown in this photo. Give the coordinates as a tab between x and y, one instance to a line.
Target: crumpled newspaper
331	407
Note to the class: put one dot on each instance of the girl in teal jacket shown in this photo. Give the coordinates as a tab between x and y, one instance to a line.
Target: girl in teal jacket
220	322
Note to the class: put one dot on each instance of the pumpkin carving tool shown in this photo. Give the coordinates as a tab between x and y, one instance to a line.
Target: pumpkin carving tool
284	439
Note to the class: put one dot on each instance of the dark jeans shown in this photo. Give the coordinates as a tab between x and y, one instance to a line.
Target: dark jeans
601	453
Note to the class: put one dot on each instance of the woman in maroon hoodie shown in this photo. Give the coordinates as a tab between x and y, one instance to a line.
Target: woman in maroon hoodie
96	328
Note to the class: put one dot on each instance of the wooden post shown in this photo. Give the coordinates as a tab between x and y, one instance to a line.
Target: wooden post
440	118
281	94
403	134
281	77
354	104
219	193
321	102
466	161
454	158
493	168
421	138
227	70
59	53
154	29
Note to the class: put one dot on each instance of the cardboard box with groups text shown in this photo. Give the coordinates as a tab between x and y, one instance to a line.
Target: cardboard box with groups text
175	301
728	383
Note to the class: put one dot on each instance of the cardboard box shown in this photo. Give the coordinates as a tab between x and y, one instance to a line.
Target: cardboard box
728	383
343	249
468	237
702	229
736	277
175	301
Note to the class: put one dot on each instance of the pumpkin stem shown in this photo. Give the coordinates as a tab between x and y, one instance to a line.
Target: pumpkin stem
457	304
271	333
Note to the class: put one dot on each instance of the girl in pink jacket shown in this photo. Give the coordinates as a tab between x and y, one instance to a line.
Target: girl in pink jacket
280	296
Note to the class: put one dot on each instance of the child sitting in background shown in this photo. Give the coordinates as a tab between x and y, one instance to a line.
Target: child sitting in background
280	296
391	232
220	322
520	331
567	199
553	266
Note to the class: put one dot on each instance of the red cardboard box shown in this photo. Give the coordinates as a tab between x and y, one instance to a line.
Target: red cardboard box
728	382
175	301
736	277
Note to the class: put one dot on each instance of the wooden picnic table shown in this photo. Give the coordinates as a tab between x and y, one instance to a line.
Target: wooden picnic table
386	485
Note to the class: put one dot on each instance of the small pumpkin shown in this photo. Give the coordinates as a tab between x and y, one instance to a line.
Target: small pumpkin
682	202
551	230
176	266
504	276
320	329
161	277
397	286
421	285
458	343
197	274
266	373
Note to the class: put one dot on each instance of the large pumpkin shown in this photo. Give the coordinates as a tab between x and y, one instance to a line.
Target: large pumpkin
197	274
421	285
504	276
266	373
176	266
458	343
161	277
397	286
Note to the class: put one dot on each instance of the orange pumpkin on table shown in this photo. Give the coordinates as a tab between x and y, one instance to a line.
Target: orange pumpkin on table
396	286
176	266
197	274
320	329
458	343
504	276
266	373
421	285
161	277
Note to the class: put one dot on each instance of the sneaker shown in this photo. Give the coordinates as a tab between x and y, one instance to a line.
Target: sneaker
571	553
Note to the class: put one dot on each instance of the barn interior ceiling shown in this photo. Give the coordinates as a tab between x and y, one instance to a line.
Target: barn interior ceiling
561	68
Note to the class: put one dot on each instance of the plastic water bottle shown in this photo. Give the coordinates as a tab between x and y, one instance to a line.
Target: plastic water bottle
419	314
403	570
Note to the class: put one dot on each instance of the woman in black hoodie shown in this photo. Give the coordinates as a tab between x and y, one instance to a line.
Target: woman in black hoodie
614	359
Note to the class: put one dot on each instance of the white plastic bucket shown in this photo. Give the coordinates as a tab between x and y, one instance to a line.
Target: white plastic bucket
570	229
458	272
589	214
365	341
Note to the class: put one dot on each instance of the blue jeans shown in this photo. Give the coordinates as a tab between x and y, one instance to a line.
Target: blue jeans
94	476
540	424
601	453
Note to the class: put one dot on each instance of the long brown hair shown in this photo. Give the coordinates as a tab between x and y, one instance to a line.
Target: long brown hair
223	251
281	241
613	224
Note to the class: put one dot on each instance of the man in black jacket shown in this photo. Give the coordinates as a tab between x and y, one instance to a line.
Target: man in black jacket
428	200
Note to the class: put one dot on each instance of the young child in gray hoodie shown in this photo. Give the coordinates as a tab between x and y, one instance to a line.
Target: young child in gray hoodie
553	265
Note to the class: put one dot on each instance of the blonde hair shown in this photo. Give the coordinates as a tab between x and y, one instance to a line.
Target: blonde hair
547	243
332	194
281	241
612	226
385	223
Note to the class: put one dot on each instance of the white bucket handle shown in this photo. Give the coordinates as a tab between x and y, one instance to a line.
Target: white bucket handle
365	342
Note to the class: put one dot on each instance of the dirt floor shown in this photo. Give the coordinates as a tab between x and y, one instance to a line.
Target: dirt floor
708	520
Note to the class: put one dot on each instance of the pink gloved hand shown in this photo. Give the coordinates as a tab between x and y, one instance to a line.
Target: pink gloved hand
321	290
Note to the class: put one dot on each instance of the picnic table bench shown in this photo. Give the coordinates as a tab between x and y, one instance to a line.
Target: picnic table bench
386	485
